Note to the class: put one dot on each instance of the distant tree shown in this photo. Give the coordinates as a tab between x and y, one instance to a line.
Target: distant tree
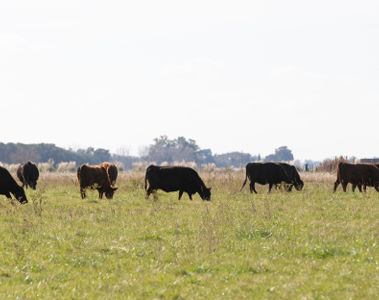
235	159
204	157
281	154
126	160
166	150
101	155
123	151
18	153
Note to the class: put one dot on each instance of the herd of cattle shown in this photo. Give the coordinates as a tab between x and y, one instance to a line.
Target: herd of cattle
183	179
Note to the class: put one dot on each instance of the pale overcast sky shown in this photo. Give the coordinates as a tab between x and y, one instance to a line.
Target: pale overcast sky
233	75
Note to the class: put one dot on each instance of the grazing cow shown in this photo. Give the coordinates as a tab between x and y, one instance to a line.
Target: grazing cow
95	177
111	171
293	175
357	175
267	173
28	174
365	185
170	179
8	185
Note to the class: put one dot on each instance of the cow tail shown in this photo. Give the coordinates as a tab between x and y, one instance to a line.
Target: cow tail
244	181
145	181
78	173
339	172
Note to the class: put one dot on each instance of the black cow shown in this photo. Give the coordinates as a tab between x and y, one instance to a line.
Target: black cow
170	179
266	173
9	186
28	174
293	175
370	183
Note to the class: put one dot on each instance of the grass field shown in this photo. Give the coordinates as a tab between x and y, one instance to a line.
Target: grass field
311	244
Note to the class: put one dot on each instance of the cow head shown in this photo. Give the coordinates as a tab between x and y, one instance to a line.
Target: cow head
20	195
205	193
33	184
298	184
109	193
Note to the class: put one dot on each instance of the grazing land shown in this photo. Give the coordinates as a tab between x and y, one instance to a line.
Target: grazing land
312	244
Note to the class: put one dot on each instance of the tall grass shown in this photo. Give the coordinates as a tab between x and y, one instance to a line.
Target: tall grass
298	245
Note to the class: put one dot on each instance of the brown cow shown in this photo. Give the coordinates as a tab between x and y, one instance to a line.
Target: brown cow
111	171
365	185
95	177
357	175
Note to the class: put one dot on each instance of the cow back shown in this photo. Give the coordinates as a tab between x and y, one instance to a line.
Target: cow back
174	178
266	173
358	173
93	176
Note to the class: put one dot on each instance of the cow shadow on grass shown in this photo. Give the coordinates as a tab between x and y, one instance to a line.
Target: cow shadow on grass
93	201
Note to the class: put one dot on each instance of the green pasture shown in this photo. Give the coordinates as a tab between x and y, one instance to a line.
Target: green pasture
311	244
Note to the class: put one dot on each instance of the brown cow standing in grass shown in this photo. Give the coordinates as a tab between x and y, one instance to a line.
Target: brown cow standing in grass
357	175
95	177
111	171
365	185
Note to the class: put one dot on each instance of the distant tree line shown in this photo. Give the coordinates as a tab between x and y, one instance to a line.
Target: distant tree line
12	153
163	150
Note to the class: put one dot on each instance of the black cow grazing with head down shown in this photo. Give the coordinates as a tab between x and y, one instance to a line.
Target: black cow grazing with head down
293	175
95	177
267	173
170	179
28	174
357	175
9	186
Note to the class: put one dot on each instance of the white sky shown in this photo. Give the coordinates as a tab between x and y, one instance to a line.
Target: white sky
233	75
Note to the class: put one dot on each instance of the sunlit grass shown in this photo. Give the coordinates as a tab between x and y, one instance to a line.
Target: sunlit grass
308	244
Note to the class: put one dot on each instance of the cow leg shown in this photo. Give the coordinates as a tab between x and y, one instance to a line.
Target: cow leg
269	187
252	187
353	187
360	187
336	185
180	194
100	194
24	183
344	185
148	192
82	193
190	196
8	195
364	188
